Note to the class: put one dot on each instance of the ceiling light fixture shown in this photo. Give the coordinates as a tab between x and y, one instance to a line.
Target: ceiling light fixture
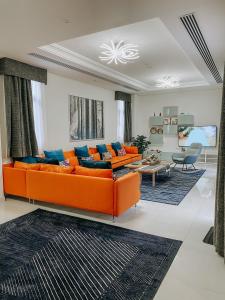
119	52
167	82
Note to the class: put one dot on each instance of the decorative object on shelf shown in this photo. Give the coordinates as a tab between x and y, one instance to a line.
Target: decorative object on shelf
160	130
154	114
119	52
160	114
166	121
141	143
80	126
174	121
153	130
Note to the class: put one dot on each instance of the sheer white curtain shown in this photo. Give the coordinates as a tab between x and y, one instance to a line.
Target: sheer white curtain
38	96
120	120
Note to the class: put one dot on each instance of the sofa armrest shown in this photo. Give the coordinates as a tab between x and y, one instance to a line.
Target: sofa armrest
131	149
14	181
126	192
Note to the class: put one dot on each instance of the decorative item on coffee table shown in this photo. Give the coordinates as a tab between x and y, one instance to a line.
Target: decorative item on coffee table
153	158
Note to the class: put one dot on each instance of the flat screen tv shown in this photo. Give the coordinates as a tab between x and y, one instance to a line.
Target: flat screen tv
206	135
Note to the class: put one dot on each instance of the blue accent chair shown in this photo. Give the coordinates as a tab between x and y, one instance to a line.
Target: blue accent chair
188	157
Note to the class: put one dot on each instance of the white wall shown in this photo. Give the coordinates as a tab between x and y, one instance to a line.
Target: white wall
204	104
56	109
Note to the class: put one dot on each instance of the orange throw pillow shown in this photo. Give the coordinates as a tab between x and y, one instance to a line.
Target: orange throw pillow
96	156
56	169
68	154
24	166
110	149
105	173
92	150
73	161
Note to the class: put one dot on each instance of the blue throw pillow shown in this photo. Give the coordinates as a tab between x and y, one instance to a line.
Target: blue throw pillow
49	161
96	164
28	159
102	148
81	151
56	154
116	146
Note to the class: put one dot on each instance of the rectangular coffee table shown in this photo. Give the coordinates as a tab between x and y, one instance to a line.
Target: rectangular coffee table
149	169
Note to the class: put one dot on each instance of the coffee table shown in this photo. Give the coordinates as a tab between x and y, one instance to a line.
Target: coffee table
151	169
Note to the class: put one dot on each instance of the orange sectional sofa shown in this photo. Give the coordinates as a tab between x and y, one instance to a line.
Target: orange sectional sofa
84	192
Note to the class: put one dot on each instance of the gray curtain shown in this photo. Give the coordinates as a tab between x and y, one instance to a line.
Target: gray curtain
219	226
16	68
19	117
128	121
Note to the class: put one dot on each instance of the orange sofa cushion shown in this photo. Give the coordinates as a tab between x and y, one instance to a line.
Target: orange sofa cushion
73	161
105	173
24	166
69	154
131	149
56	169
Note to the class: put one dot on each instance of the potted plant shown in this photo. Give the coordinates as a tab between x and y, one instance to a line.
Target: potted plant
141	143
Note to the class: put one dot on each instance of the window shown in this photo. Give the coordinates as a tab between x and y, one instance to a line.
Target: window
120	121
37	93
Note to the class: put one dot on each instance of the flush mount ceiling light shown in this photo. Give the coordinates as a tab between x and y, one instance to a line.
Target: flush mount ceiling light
167	82
119	52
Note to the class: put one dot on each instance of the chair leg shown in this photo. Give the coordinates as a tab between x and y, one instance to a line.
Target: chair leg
174	166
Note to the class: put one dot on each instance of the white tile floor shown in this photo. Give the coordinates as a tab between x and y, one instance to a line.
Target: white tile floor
197	272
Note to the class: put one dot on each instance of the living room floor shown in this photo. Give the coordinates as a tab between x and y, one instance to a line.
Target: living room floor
197	272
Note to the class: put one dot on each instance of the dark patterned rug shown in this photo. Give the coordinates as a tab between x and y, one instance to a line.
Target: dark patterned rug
169	189
46	255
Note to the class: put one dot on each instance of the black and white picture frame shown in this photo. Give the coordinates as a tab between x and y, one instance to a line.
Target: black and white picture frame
86	118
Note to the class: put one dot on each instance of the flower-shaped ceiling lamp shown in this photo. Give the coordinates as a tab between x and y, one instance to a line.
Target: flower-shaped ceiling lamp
167	82
119	52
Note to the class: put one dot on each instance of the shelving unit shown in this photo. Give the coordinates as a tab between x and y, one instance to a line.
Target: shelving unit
157	123
158	129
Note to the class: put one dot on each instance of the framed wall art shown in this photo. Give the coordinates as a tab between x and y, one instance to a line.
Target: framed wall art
86	118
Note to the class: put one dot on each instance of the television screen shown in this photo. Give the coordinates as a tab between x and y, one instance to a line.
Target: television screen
206	135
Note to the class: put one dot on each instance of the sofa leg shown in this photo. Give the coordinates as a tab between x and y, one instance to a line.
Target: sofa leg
114	219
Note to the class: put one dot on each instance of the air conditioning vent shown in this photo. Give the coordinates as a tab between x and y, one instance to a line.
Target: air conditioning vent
64	65
192	27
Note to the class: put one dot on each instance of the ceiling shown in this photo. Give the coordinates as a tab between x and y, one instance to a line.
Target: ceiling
68	33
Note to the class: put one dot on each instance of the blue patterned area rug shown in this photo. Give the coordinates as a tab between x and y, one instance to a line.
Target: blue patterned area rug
46	255
169	189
